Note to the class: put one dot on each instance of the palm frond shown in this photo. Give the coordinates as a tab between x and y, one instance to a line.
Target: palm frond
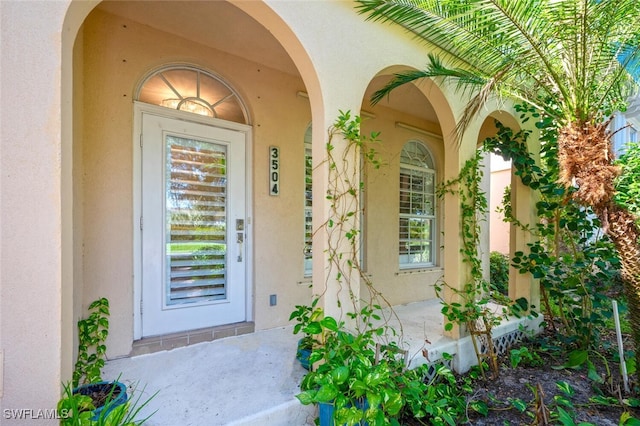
435	69
581	54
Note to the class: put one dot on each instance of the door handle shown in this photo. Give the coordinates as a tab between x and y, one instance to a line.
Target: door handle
240	237
240	241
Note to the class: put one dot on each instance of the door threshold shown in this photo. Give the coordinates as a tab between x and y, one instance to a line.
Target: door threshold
166	342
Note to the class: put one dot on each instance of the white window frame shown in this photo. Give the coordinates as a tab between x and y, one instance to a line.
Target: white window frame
633	134
424	170
308	205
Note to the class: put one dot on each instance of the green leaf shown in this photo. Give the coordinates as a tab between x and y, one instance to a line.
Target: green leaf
576	359
565	388
522	303
374	378
359	386
592	373
393	402
374	398
562	400
632	402
329	323
518	404
313	328
326	393
480	407
627	420
604	400
306	397
565	418
340	375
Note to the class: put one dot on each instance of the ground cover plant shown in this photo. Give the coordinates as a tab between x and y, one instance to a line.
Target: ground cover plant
539	382
570	374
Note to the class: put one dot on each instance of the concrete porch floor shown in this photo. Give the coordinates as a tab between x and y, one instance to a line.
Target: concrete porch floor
251	379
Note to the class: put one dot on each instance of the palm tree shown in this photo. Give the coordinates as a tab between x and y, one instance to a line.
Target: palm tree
573	60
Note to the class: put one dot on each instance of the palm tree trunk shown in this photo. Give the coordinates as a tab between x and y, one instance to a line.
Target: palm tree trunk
625	234
586	161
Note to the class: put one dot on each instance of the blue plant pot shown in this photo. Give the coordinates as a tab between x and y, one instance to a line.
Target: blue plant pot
326	409
119	396
303	355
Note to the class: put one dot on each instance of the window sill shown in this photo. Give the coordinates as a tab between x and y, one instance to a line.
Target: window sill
424	270
306	281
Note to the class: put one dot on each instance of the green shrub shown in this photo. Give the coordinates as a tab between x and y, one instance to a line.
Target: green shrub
499	272
628	184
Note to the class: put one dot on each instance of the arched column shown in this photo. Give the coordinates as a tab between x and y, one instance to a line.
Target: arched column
71	302
326	99
523	207
340	292
36	314
456	271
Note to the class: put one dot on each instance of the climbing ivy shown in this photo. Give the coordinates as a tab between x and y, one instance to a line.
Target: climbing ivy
473	297
344	191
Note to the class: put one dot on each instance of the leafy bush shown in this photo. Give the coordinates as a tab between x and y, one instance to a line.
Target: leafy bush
525	357
499	272
575	262
348	367
628	184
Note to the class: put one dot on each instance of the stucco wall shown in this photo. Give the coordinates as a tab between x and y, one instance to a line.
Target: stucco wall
499	229
31	240
117	54
382	209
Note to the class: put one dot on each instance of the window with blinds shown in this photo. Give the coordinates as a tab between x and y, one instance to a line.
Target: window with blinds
308	204
196	205
417	207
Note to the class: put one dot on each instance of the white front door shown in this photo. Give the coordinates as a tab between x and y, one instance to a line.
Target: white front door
193	216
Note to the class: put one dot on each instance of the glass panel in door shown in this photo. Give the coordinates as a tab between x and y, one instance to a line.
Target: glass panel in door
196	203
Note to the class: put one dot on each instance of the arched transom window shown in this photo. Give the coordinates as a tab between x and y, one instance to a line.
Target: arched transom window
417	207
190	89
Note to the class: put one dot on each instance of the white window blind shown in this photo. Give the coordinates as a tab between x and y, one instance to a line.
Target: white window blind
195	238
417	207
308	204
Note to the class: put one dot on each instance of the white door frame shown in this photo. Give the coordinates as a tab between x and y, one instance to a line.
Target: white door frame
140	108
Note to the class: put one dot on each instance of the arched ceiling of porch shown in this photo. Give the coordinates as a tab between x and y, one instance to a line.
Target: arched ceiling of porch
225	27
217	24
407	99
422	99
488	128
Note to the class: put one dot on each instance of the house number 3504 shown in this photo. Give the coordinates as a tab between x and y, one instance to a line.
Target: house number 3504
274	170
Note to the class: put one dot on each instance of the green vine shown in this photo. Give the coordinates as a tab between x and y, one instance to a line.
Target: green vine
470	306
358	360
92	333
344	191
473	205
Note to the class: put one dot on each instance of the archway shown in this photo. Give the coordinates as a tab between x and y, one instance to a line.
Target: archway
114	46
